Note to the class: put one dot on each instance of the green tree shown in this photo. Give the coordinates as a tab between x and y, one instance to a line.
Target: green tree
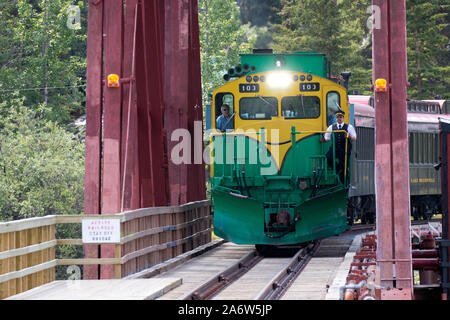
310	25
260	13
339	29
43	57
356	39
41	165
428	48
222	38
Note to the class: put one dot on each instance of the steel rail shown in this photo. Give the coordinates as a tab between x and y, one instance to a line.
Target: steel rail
218	282
280	282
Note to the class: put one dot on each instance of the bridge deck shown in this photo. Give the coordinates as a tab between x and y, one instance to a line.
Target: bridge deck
139	289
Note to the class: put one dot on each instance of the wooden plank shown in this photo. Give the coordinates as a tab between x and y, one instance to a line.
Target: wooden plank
12	263
21	261
314	281
45	253
139	289
61	242
203	267
26	272
89	261
156	230
117	267
155	256
19	225
79	218
4	265
180	234
140	213
167	245
35	256
27	250
52	250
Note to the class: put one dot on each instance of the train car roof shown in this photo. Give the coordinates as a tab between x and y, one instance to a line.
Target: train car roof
363	110
443	105
441	102
359	99
365	114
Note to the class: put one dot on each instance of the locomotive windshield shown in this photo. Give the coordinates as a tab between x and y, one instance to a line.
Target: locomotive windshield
300	107
258	108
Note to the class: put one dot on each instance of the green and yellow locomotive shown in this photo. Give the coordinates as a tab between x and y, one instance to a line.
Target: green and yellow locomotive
270	181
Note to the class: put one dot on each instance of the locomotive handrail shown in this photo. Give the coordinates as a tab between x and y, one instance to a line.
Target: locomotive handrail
293	141
294	133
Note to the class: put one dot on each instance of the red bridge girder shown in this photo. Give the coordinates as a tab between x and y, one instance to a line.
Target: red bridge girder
154	48
391	151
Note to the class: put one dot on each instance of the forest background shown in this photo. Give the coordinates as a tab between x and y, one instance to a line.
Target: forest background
43	76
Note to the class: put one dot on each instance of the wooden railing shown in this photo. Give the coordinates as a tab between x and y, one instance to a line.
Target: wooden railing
148	236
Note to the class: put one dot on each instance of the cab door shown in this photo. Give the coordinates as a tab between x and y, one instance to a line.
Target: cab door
335	98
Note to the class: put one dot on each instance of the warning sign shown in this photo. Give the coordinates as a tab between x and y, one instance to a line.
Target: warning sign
101	230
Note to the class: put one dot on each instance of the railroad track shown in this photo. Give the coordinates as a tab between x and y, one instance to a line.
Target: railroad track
274	288
237	272
281	282
221	280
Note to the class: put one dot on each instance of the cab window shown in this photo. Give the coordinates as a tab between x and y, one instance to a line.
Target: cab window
333	105
258	108
221	99
300	107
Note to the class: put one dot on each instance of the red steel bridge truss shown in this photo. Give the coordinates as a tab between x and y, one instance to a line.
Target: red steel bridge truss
153	47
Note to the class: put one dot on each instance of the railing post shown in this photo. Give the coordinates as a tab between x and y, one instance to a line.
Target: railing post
117	267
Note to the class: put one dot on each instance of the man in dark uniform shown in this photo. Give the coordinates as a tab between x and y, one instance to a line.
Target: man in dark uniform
341	143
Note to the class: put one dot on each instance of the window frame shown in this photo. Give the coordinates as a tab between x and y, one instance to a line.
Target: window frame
256	97
301	118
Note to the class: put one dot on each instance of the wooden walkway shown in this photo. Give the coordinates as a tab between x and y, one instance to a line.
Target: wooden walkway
251	283
320	280
142	289
326	271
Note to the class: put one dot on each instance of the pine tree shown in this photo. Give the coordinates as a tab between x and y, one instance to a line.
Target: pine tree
356	40
310	25
428	49
260	13
222	38
39	51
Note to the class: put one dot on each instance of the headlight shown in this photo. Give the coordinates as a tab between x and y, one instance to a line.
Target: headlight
279	79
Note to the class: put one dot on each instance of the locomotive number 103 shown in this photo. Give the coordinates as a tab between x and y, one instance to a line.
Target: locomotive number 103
244	87
311	86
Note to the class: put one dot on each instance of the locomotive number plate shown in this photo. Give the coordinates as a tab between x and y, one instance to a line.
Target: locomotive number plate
310	86
250	87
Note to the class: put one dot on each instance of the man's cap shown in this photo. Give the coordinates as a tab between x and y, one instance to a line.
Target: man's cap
340	113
